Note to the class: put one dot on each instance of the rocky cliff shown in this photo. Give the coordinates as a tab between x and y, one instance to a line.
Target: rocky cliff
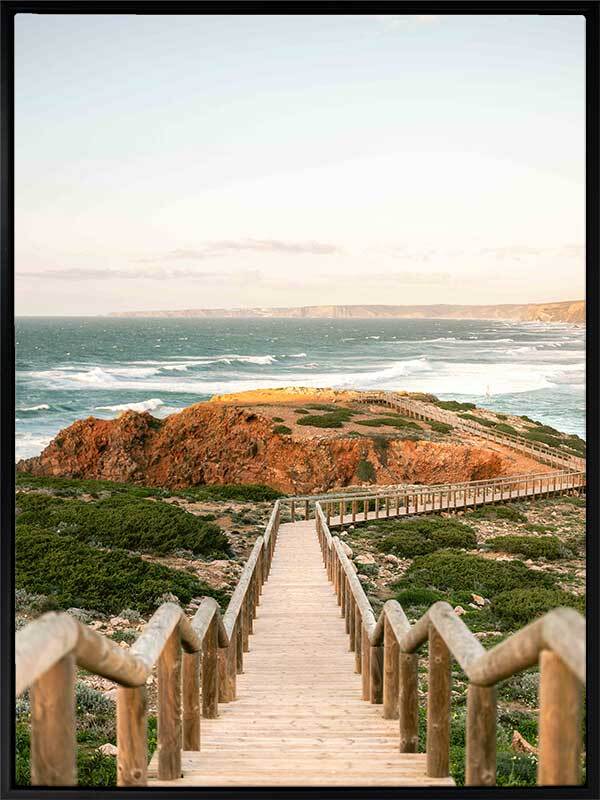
220	443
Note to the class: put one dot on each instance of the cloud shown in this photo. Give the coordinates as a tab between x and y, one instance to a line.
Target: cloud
75	274
226	247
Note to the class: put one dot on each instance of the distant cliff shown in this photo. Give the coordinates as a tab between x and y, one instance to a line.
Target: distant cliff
567	311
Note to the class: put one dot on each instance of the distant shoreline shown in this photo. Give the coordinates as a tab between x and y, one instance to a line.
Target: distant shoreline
567	311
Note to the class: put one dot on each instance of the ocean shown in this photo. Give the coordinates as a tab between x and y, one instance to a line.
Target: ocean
69	368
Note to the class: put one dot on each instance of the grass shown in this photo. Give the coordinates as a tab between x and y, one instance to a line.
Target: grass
549	547
425	535
130	523
330	419
453	405
506	513
440	427
393	421
70	573
74	487
365	471
282	429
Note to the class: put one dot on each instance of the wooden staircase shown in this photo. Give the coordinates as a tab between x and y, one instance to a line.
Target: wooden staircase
298	719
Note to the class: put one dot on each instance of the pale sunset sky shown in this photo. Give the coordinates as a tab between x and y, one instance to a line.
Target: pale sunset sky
231	161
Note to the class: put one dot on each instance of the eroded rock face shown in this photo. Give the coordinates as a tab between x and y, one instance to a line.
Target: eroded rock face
215	443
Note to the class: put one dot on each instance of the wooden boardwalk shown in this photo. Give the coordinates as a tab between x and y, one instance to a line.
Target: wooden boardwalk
298	719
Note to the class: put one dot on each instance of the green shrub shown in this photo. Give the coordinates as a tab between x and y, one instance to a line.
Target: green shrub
505	513
519	606
440	427
453	405
71	487
366	471
423	535
388	421
502	427
503	417
549	547
479	420
331	419
241	492
446	570
300	411
418	596
128	522
278	419
516	769
522	688
282	429
75	574
331	408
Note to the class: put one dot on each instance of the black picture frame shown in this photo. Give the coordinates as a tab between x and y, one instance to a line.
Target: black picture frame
591	12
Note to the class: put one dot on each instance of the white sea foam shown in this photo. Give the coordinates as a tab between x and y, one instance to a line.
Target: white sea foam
40	407
144	405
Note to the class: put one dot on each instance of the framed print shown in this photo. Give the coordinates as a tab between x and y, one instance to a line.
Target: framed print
299	399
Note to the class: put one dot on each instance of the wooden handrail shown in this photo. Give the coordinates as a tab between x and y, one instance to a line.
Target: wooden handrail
425	411
387	649
207	651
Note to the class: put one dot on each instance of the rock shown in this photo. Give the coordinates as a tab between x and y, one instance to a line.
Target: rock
351	528
149	680
107	749
222	442
459	611
364	558
520	745
119	622
392	559
477	598
219	563
347	549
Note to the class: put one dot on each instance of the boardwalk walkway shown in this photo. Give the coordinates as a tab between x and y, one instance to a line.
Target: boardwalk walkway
299	718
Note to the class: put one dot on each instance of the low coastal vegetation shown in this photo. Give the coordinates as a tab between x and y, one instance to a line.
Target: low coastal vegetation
139	524
499	567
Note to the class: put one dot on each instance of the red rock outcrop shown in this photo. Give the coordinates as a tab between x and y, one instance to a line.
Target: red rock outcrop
217	443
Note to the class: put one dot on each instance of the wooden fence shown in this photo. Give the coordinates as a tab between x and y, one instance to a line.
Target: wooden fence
49	650
386	655
452	497
428	412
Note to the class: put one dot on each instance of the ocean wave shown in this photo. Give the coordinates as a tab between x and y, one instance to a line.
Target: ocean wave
40	407
29	444
143	405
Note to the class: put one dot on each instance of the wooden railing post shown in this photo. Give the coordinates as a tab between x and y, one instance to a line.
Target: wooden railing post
480	767
53	742
210	672
357	639
169	708
191	701
391	687
560	701
227	672
132	736
239	643
408	702
438	707
365	647
376	676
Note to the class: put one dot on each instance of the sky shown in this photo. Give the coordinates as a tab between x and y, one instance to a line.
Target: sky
173	162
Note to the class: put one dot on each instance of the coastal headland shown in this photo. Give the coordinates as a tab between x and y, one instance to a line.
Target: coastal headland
295	440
